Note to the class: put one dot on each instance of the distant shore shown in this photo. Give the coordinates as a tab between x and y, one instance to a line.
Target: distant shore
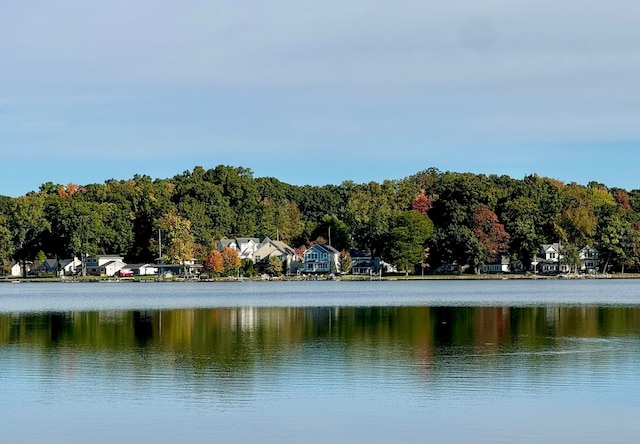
346	278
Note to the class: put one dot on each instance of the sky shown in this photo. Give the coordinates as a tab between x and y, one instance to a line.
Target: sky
318	92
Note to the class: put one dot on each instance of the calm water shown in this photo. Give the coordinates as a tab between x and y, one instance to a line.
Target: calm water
318	362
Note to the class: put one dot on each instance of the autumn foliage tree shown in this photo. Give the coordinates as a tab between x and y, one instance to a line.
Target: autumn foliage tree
345	262
490	233
422	203
214	262
230	260
70	190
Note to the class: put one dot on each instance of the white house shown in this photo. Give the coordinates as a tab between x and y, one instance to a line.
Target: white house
321	258
69	267
245	246
142	269
104	265
111	268
550	259
589	259
17	268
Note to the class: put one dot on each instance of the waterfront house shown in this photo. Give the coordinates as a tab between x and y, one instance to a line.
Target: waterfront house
550	259
49	266
188	268
589	259
498	264
69	267
270	248
547	259
245	246
20	268
363	263
142	269
321	258
104	265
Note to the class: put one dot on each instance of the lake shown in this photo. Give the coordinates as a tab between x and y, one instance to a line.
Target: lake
513	361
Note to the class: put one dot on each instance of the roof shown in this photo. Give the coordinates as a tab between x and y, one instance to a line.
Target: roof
138	266
50	263
64	262
107	264
245	240
282	246
325	247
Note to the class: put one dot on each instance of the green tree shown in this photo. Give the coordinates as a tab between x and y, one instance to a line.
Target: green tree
408	237
27	223
246	265
39	260
613	236
176	233
520	217
6	242
274	268
282	221
332	227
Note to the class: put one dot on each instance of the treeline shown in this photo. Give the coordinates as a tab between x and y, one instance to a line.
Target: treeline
421	221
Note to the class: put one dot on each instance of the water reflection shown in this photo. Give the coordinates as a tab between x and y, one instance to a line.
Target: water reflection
370	374
235	337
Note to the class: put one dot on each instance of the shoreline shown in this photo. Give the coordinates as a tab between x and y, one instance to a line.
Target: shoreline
347	278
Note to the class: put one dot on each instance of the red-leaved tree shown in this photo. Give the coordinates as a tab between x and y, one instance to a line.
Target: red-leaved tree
422	203
489	231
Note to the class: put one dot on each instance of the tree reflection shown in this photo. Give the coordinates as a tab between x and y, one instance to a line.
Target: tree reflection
237	338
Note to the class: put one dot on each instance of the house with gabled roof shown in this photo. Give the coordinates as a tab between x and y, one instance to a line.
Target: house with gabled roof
245	246
49	266
321	258
589	259
550	259
363	263
20	268
104	265
59	267
270	248
547	259
69	267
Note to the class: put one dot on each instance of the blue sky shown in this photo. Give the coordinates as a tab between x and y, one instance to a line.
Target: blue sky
318	92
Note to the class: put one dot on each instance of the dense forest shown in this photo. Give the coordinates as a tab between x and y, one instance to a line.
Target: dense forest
421	221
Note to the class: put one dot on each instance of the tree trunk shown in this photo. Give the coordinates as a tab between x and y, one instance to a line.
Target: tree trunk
606	264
